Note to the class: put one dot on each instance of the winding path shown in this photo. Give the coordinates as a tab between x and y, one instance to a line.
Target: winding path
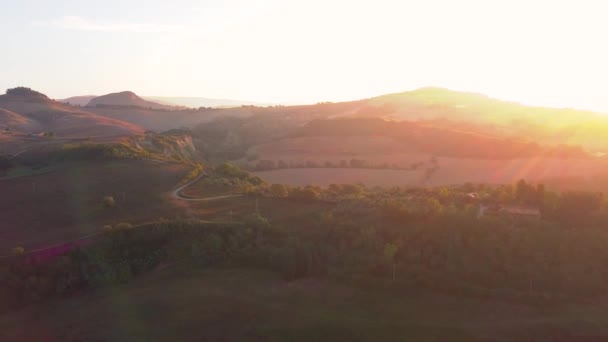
177	192
62	247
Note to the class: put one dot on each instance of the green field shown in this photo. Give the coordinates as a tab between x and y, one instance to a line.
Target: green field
239	304
66	203
276	210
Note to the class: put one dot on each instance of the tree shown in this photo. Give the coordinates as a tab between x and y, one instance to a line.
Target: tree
256	181
256	222
279	190
357	163
429	206
351	190
5	163
308	193
265	165
231	171
18	250
574	205
526	193
390	250
108	201
282	165
211	246
334	189
540	193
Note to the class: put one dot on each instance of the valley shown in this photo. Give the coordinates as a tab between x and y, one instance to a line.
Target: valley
303	171
340	220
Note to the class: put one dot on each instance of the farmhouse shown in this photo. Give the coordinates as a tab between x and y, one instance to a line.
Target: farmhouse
513	211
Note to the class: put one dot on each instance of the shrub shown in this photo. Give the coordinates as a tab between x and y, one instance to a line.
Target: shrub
279	190
18	250
5	163
109	202
197	171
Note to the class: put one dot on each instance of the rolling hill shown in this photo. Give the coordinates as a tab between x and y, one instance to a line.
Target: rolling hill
189	102
31	112
197	102
162	119
11	121
126	99
440	120
79	101
545	125
442	113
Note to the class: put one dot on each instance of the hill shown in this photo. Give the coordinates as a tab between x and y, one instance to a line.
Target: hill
36	113
126	99
197	102
162	119
545	125
436	107
65	202
11	121
79	101
190	102
268	137
443	121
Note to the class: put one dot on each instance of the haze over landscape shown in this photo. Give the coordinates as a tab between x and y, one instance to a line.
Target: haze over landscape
303	171
279	51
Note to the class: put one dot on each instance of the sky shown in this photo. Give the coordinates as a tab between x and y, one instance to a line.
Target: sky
538	52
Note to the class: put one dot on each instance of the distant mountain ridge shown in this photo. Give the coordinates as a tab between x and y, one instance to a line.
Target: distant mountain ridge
441	108
197	102
27	111
190	102
79	101
126	98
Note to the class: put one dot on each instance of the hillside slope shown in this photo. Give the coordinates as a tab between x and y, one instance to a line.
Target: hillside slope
545	125
79	101
11	121
128	99
162	120
33	112
197	102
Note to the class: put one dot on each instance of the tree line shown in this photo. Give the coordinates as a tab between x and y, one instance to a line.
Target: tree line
408	237
354	163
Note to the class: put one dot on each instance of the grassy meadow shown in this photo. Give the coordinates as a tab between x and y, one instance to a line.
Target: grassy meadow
189	304
563	174
67	202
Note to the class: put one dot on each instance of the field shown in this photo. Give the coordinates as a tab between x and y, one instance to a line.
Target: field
561	173
384	153
302	147
211	305
15	142
67	202
202	188
326	176
279	211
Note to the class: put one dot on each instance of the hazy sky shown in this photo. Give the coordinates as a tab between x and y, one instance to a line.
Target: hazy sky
546	52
